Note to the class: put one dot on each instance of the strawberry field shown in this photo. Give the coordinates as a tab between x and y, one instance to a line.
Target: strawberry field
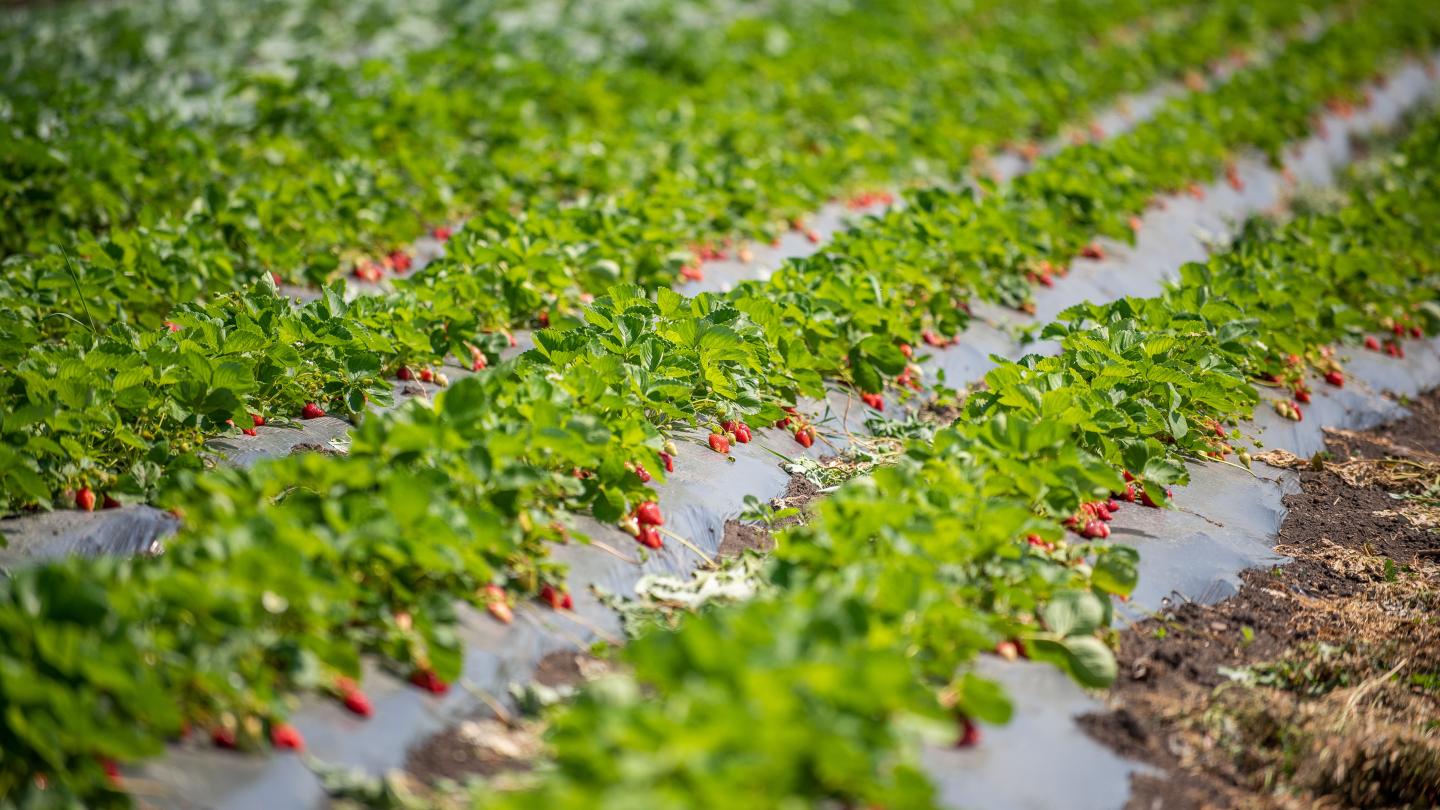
826	391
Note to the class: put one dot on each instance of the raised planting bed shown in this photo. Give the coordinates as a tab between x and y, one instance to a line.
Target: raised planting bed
453	523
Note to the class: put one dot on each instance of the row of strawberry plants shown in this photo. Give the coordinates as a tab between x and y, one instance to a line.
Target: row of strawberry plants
821	692
573	182
112	415
285	574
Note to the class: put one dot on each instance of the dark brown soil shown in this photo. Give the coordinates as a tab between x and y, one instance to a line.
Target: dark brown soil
483	745
741	537
1318	684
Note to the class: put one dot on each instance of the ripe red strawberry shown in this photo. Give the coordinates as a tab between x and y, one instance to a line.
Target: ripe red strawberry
650	537
969	734
1034	539
426	375
813	236
1302	396
1335	378
1135	224
1232	176
648	514
692	273
1416	332
906	350
1196	191
1372	343
805	437
933	339
1113	505
873	400
112	771
427	679
257	419
312	411
477	359
223	737
357	702
85	499
405	374
250	431
668	461
286	737
1094	250
368	271
718	443
442	233
1397	329
1395	350
274	276
172	326
110	503
543	318
400	260
642	473
552	596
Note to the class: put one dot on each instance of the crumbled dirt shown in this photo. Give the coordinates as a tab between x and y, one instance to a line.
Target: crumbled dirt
313	447
741	537
484	745
1318	684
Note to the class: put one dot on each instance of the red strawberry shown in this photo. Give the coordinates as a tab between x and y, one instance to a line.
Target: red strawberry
1395	350
442	233
477	359
276	278
405	374
1397	329
668	461
1372	343
172	326
718	443
357	702
497	603
933	339
1416	332
813	236
85	499
257	419
1093	251
112	771
543	318
969	734
110	503
368	271
1113	505
906	350
223	737
1335	378
553	597
1134	223
427	679
426	375
648	514
642	473
1196	191
312	411
1232	176
692	273
873	400
650	537
1302	396
400	260
286	737
805	437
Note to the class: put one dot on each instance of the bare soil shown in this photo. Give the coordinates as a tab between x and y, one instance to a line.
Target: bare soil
1318	684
